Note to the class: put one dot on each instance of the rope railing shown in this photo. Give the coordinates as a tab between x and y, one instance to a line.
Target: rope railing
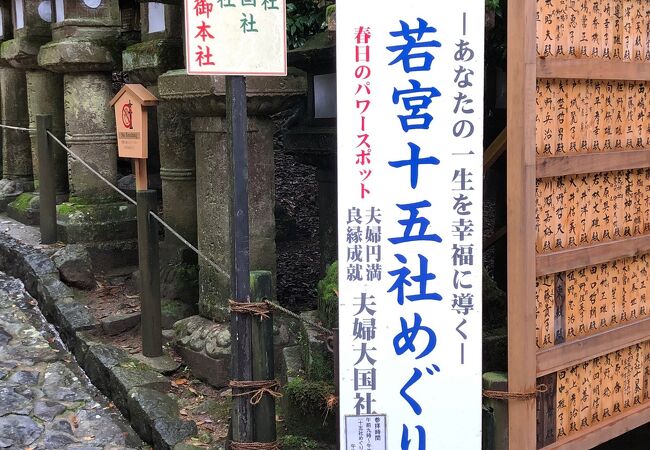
168	227
128	198
17	128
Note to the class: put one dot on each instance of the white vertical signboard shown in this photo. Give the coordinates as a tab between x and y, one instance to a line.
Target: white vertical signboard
236	37
410	154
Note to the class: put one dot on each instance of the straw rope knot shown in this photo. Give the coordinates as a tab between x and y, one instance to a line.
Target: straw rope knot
275	445
261	309
505	395
256	389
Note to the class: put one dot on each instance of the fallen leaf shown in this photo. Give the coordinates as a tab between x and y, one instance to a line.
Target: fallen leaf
183	412
179	382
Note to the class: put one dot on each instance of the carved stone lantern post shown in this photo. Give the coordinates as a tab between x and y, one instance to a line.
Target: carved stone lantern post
44	95
85	49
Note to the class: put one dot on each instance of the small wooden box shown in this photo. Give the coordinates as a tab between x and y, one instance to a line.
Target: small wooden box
130	105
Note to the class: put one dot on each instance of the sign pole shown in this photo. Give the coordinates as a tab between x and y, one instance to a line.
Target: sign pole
242	361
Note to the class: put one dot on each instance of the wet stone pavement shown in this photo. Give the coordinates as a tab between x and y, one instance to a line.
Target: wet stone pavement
46	402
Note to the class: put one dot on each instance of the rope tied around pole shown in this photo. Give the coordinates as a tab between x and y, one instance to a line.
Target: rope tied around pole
275	445
505	395
256	389
261	309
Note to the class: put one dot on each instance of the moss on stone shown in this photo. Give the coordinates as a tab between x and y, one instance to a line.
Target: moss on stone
307	396
22	202
307	413
328	299
69	208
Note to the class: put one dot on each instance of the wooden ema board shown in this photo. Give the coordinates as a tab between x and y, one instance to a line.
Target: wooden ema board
578	220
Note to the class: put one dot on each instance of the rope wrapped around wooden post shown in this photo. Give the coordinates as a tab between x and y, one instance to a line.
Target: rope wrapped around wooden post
256	389
505	395
261	309
255	445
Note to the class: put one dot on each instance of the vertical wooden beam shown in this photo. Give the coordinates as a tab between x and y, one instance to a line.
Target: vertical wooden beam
149	274
263	360
242	364
521	221
47	184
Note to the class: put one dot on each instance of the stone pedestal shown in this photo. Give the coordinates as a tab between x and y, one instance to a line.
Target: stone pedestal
203	97
17	174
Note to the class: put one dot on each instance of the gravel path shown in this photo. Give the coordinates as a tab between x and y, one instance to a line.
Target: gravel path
46	402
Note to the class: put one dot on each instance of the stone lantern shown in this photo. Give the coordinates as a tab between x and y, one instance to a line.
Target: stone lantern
203	98
32	20
85	48
17	176
161	50
313	141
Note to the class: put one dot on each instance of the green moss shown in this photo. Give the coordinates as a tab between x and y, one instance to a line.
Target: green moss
23	201
329	11
309	397
69	208
293	442
328	298
307	413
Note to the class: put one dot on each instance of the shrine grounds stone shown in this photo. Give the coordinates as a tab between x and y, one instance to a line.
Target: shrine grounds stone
75	266
46	401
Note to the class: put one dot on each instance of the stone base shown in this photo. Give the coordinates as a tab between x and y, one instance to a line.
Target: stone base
26	207
9	192
80	223
205	347
179	273
108	231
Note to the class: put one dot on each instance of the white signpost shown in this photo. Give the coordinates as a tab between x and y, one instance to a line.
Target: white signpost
236	37
410	149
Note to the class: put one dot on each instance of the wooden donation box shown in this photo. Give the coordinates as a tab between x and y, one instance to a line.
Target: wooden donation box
130	106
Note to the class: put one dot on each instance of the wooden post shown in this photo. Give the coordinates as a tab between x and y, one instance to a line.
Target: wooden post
521	221
46	187
241	363
149	274
263	360
141	179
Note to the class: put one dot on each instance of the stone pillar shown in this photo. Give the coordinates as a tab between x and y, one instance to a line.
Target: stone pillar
44	96
205	99
214	185
17	175
90	133
85	48
172	147
179	273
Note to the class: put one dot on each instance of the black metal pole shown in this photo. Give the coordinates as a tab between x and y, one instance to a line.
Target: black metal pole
150	314
46	186
242	361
